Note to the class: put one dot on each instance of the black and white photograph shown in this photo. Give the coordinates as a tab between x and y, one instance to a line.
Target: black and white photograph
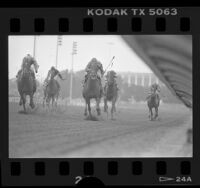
100	96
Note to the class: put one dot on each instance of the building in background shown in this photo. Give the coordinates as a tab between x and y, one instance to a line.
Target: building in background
140	79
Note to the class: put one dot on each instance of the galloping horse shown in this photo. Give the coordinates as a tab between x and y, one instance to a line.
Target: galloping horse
153	102
110	92
92	90
26	83
51	92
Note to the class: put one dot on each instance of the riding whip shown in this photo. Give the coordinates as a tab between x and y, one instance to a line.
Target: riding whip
110	64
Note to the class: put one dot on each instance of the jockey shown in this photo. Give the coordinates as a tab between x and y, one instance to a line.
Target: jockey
96	65
155	89
51	74
28	59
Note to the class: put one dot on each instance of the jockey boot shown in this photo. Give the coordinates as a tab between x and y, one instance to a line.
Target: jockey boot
18	74
86	76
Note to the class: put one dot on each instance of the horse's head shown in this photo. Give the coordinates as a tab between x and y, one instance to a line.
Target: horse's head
154	98
111	75
26	72
92	74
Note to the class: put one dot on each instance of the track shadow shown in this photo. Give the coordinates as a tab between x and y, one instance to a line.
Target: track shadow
29	110
92	118
155	119
22	112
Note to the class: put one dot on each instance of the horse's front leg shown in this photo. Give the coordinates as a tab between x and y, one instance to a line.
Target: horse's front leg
112	109
43	102
52	102
24	102
156	113
85	112
20	101
98	107
89	108
105	105
44	98
32	105
150	114
56	101
48	101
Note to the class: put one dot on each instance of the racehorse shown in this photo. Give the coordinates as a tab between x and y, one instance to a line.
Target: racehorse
110	92
153	102
26	83
92	90
51	92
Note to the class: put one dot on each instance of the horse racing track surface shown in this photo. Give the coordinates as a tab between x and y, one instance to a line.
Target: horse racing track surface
65	132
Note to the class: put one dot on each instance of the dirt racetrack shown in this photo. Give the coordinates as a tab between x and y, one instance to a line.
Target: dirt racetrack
65	133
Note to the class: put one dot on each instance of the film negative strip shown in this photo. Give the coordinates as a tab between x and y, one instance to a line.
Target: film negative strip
139	66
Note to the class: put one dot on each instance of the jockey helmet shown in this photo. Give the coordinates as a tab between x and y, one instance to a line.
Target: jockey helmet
53	68
94	59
